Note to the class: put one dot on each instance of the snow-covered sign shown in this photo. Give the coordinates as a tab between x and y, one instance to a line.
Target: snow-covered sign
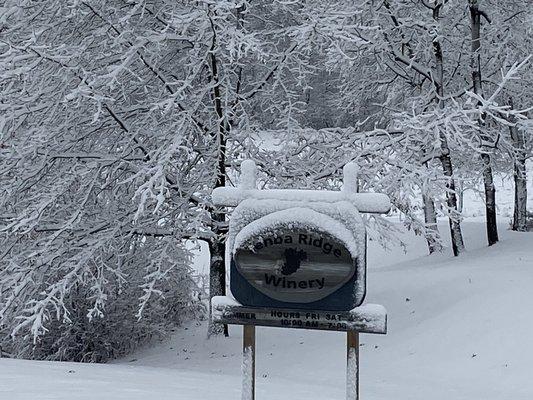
297	259
297	249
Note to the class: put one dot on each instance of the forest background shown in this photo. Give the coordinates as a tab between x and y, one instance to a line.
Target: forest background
118	118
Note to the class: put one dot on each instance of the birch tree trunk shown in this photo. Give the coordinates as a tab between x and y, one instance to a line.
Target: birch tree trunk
520	179
488	181
520	198
520	194
460	196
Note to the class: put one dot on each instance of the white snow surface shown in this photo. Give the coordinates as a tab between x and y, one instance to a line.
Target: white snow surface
295	218
458	330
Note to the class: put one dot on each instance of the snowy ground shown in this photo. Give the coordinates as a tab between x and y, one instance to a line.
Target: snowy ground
458	329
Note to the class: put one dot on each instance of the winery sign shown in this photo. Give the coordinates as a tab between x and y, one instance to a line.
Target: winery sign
296	267
297	259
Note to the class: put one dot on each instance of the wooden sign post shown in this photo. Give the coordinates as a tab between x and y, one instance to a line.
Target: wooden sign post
297	259
248	362
352	365
368	318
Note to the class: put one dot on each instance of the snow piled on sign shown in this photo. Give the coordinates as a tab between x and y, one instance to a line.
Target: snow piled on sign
350	172
219	304
364	202
293	219
374	316
248	174
343	213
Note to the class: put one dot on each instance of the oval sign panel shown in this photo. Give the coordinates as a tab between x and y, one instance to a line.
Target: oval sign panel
296	267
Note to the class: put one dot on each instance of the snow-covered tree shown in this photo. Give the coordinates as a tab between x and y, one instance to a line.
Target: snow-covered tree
400	89
504	40
118	119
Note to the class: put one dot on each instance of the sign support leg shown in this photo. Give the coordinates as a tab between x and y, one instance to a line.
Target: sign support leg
248	362
352	365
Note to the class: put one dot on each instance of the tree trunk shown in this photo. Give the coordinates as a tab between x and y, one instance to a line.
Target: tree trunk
490	200
445	158
217	282
488	181
460	196
217	248
520	180
451	201
520	196
217	253
432	230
